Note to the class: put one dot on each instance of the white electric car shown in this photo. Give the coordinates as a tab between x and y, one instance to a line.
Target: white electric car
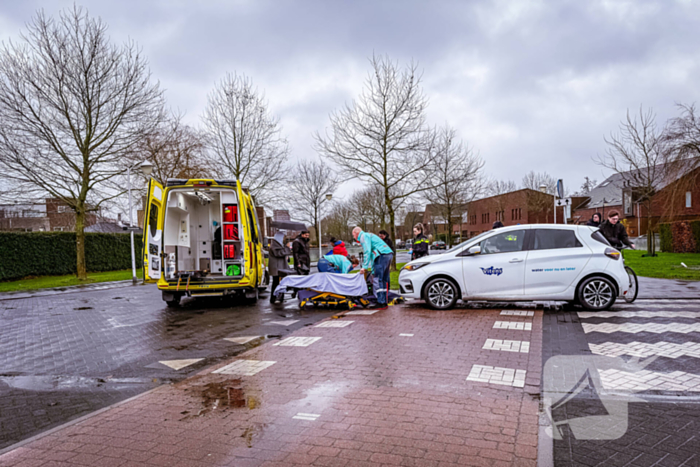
543	262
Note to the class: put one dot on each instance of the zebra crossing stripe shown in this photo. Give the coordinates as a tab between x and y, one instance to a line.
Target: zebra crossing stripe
639	314
644	349
655	328
645	380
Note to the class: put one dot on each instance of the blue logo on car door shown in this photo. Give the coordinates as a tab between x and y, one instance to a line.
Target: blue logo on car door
492	271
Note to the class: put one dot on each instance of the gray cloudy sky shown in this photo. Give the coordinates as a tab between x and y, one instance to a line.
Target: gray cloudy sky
531	85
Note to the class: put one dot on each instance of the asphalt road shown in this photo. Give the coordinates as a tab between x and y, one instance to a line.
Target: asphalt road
65	355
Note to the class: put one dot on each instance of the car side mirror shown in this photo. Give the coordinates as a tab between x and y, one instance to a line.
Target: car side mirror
475	250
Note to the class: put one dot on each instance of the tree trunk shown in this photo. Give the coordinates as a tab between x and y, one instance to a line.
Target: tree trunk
80	243
651	244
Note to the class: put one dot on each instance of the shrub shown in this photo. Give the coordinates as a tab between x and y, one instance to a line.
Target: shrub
683	241
695	228
53	253
666	238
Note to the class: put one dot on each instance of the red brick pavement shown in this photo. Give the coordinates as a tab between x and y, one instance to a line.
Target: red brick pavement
382	399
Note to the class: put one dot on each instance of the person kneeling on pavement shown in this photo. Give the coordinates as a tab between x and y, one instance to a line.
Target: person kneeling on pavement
377	258
337	264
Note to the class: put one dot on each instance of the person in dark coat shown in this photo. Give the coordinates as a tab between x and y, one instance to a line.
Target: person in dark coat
300	251
614	232
497	225
277	260
384	235
420	243
595	220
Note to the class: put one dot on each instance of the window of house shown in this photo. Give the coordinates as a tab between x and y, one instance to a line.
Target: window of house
552	239
688	199
61	209
58	229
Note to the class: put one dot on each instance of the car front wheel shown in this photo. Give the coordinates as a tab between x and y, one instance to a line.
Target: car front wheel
596	294
441	294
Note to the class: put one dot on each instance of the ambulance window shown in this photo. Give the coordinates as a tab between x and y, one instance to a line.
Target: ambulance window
553	239
251	226
153	219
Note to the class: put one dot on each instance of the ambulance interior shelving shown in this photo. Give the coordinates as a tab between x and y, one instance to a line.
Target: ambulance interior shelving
202	234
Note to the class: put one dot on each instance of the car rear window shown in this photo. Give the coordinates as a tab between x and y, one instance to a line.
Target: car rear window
552	239
598	237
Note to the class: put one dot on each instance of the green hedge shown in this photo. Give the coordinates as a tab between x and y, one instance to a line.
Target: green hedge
54	253
695	227
666	237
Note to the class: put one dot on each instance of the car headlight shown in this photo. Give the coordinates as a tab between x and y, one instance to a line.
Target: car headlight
413	267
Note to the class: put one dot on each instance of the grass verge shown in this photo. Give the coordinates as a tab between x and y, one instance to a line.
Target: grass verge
43	282
665	265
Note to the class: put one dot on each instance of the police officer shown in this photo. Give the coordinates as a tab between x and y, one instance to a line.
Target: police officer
420	243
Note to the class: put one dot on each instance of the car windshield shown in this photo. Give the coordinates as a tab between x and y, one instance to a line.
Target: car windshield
469	241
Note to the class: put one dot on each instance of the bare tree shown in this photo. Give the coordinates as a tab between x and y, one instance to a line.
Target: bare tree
381	137
309	184
245	138
534	180
587	185
338	222
456	179
176	150
500	187
369	210
72	106
540	202
639	153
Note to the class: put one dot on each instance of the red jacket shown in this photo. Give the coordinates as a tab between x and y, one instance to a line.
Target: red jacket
339	249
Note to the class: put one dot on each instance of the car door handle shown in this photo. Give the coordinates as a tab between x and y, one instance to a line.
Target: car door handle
516	260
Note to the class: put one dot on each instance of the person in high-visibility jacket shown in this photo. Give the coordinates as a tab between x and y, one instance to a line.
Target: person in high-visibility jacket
420	243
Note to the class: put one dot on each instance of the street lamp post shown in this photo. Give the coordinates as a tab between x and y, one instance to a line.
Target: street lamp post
329	196
146	168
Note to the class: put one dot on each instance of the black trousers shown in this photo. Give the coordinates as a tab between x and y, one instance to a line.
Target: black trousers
275	283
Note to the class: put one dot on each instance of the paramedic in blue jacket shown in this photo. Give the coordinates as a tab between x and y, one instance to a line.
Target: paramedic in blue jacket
338	264
376	258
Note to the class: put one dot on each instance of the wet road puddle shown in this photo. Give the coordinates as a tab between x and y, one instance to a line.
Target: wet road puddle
61	382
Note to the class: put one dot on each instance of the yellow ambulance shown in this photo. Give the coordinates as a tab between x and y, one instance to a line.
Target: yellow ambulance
201	238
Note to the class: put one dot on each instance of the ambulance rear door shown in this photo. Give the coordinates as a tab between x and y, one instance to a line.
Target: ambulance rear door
153	232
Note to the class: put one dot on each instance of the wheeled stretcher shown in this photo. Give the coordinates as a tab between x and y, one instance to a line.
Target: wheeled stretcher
328	290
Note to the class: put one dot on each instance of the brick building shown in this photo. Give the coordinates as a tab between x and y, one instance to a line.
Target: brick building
523	206
676	199
51	215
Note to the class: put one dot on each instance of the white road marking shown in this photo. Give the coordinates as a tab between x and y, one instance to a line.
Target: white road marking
405	335
297	341
362	312
634	328
645	380
289	322
180	364
497	375
242	339
639	314
517	313
643	349
513	325
507	346
334	324
307	416
244	367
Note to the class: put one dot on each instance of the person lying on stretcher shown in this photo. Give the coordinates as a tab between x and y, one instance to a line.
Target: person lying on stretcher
337	264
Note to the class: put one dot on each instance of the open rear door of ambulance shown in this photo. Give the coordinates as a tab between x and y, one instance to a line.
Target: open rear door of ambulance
249	231
153	232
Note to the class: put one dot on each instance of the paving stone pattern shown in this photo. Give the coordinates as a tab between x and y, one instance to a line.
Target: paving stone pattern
361	396
66	354
662	430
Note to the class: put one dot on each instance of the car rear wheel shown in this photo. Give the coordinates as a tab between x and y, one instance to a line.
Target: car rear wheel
441	294
596	293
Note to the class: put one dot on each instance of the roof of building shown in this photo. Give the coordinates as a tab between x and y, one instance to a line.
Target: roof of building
109	227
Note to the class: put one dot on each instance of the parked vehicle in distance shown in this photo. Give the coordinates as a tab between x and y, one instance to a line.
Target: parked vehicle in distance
399	243
408	243
202	238
439	245
572	263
